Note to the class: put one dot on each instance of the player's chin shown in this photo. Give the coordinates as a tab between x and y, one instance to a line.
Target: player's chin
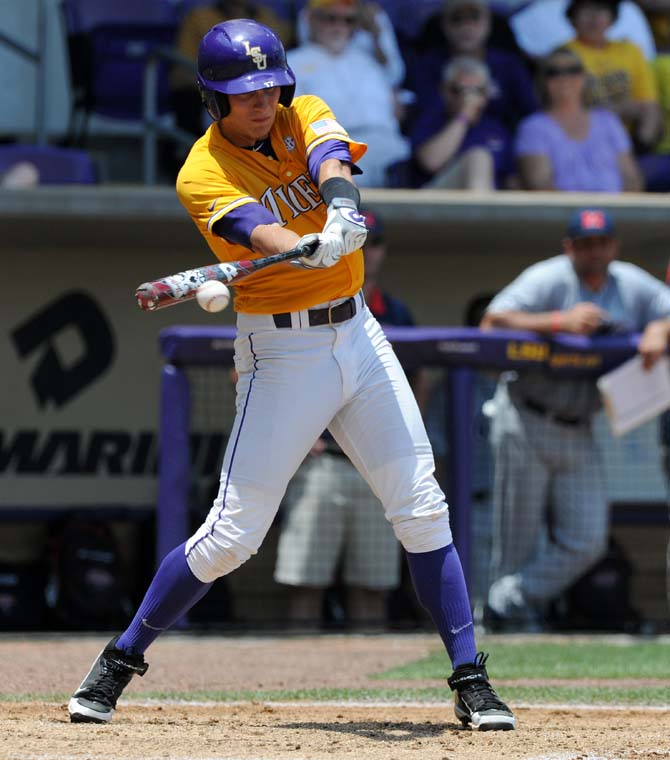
261	127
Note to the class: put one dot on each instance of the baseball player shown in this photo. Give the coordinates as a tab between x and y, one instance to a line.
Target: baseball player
271	171
550	503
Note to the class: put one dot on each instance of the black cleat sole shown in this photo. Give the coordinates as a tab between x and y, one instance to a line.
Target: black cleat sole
86	719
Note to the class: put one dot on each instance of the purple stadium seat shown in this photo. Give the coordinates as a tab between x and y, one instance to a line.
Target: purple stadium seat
56	166
109	42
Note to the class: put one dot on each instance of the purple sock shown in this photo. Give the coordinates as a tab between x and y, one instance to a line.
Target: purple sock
440	587
173	591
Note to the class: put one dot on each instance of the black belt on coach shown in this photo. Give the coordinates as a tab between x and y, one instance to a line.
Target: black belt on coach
561	419
329	315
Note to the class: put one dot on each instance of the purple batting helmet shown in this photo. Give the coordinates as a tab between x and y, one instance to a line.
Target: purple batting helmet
241	56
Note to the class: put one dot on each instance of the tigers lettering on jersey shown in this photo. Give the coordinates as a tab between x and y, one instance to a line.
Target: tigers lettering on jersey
299	197
219	177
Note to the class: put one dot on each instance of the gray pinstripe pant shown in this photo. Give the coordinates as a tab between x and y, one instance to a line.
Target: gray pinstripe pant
551	513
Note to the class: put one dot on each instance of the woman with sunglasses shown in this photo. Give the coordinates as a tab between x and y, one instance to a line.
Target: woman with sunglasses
568	146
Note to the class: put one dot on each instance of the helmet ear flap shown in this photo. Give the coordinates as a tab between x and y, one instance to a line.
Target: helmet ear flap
216	103
286	95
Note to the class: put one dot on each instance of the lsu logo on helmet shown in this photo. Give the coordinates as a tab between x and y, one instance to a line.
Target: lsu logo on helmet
260	59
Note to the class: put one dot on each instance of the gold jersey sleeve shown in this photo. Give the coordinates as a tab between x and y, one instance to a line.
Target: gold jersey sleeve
218	177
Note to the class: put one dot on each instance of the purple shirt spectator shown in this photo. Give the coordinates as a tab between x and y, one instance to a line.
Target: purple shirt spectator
590	165
512	97
488	132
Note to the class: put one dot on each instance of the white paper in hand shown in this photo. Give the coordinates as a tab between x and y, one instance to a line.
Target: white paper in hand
632	395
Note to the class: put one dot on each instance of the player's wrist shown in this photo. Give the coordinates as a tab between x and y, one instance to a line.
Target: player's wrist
340	189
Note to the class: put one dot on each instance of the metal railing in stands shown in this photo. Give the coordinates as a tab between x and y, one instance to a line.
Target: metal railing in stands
153	127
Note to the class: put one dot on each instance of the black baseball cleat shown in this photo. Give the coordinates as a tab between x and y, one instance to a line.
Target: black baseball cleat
95	700
475	699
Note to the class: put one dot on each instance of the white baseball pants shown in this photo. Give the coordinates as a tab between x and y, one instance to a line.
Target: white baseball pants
293	383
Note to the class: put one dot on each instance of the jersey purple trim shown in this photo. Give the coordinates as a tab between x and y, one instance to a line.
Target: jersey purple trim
237	225
329	149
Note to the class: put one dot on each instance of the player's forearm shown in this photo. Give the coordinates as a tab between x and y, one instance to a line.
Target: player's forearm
654	342
657	332
333	167
267	239
542	322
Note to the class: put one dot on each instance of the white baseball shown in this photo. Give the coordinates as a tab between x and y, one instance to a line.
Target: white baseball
213	296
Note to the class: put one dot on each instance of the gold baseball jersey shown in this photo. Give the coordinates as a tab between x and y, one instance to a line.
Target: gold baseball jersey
219	177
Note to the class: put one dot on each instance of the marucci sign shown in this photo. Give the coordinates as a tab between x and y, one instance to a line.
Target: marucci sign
80	413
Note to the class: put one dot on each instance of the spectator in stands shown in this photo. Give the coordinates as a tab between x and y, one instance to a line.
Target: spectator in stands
186	103
619	76
542	26
550	502
355	86
462	147
374	34
568	146
465	30
425	26
331	515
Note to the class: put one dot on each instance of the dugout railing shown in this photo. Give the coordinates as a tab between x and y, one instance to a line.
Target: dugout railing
462	352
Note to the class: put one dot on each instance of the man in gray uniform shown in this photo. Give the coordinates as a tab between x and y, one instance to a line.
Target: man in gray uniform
550	505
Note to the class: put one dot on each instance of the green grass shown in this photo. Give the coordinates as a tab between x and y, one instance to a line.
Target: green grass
578	695
540	660
534	661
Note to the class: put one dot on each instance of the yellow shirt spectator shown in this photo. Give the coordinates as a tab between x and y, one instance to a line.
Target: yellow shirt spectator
618	72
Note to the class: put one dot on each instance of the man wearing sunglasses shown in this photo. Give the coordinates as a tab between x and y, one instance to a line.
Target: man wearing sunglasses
462	147
465	29
374	34
353	83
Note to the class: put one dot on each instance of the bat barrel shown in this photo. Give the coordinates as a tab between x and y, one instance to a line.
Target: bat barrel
147	296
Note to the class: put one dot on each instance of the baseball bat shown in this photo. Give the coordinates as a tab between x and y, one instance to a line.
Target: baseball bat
182	286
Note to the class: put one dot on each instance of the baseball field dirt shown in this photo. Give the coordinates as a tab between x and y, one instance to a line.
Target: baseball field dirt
38	673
